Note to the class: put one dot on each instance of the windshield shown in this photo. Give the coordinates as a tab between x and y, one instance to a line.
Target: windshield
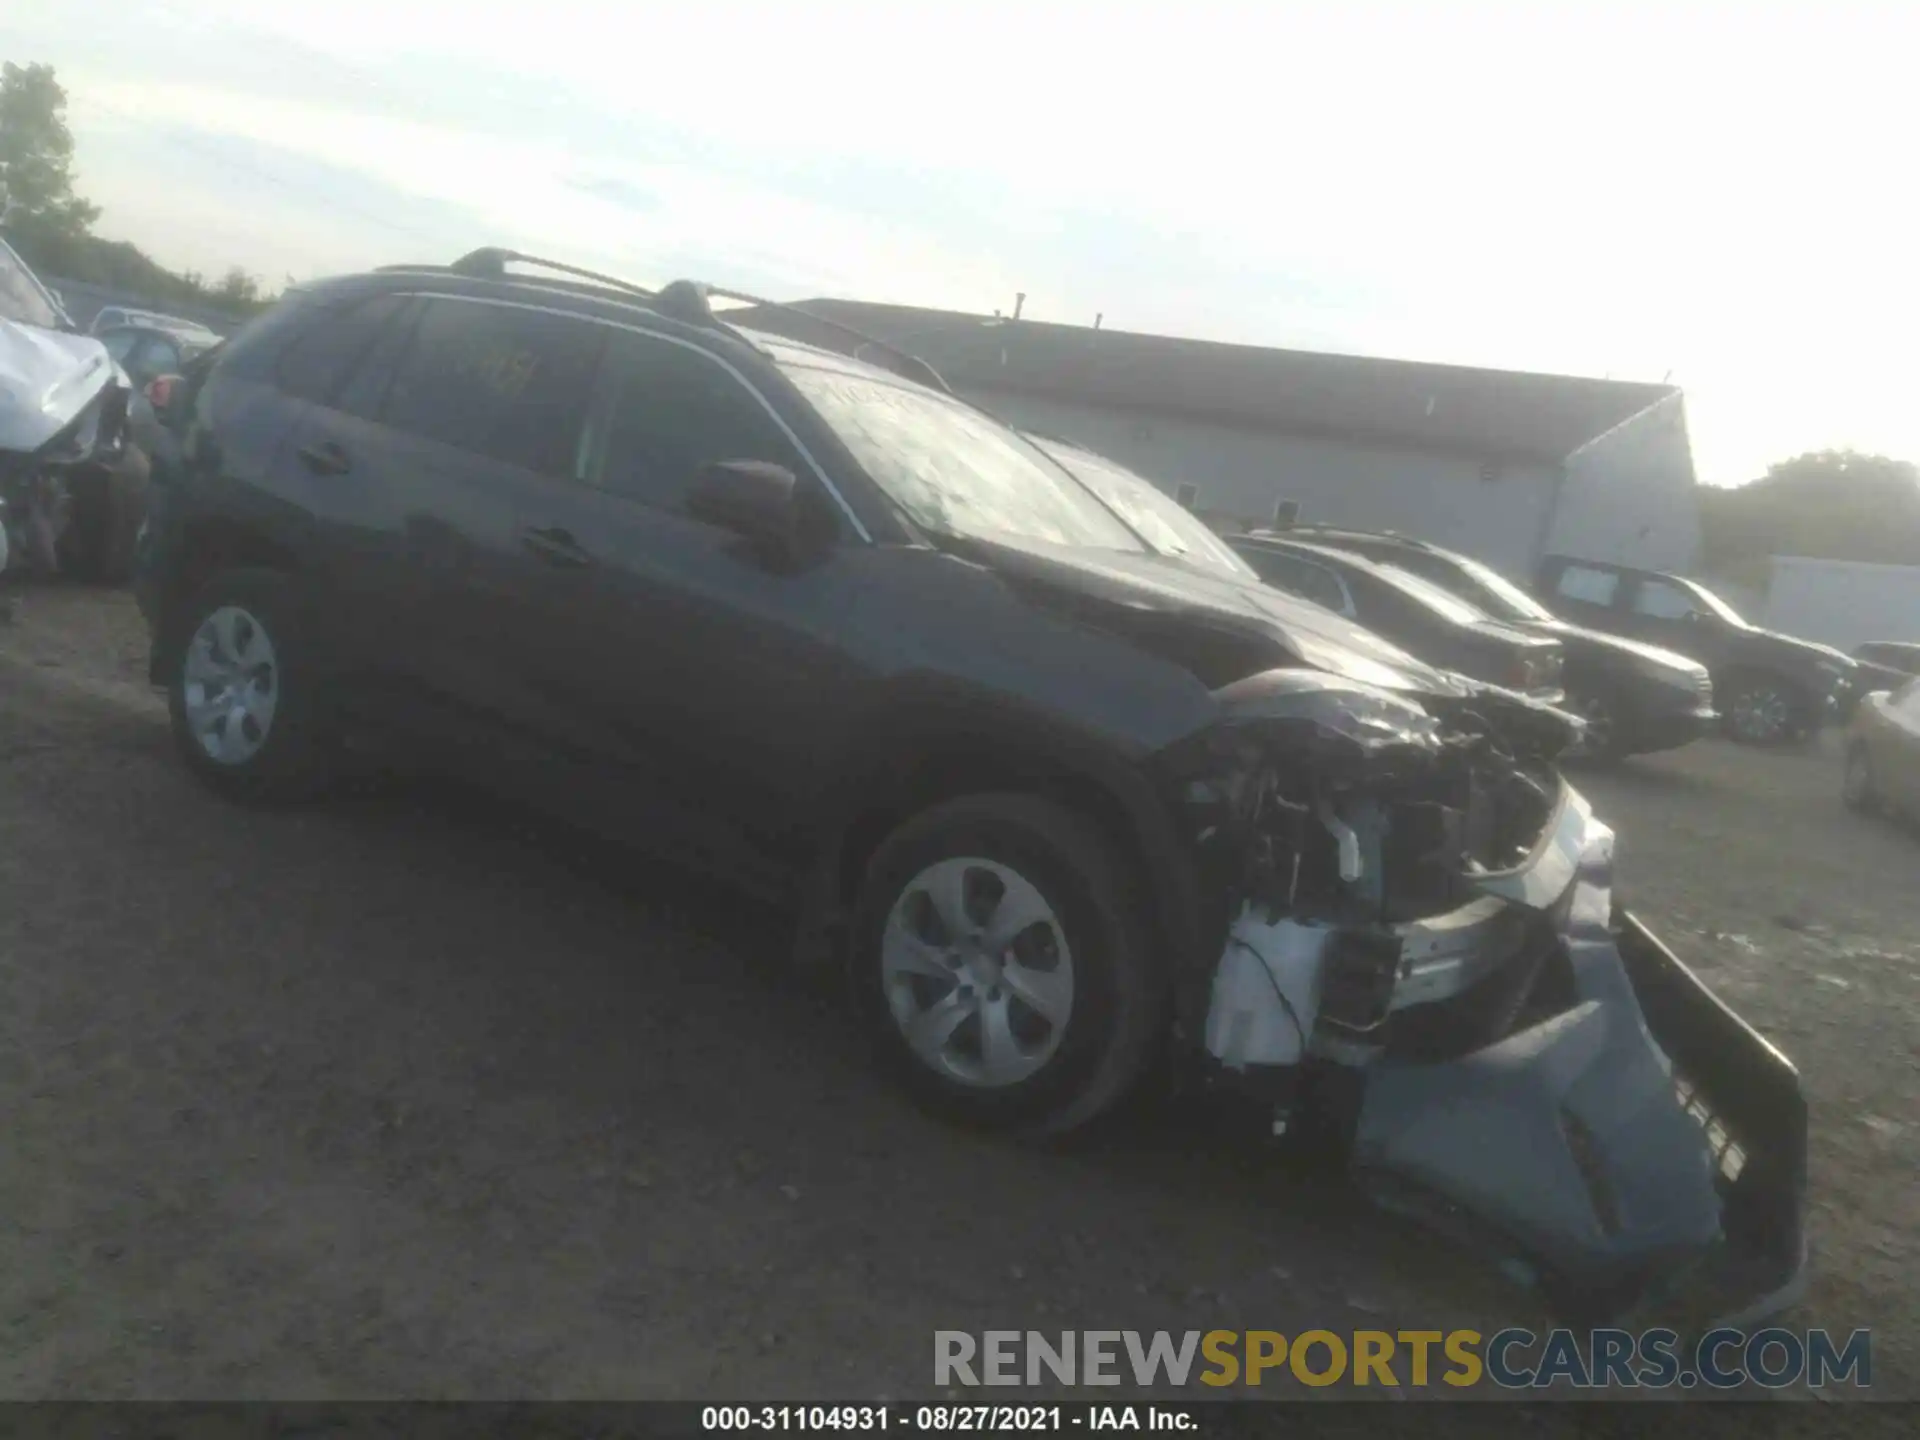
954	470
1445	601
1714	603
1499	596
22	297
1163	522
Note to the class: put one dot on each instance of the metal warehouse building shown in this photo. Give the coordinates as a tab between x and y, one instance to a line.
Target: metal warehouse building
1503	465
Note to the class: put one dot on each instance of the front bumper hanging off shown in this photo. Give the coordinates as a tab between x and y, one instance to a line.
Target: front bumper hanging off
1642	1141
1639	1145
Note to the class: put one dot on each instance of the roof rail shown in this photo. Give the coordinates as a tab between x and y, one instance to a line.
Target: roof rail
685	301
490	263
906	364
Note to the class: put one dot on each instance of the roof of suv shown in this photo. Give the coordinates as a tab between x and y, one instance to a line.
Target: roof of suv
685	303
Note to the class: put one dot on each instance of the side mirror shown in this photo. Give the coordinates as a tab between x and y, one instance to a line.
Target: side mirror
764	503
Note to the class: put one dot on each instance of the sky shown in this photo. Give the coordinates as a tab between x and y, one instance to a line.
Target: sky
1719	195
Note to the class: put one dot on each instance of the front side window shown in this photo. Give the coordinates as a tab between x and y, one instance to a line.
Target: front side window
1588	585
1661	601
510	384
664	413
954	470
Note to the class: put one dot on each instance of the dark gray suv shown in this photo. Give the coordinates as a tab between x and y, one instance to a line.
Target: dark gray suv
1062	814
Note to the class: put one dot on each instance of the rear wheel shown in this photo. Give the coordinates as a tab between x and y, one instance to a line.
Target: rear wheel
1856	784
1003	965
1601	741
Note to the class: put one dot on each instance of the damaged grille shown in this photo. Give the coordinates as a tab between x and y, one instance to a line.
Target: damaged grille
1729	1156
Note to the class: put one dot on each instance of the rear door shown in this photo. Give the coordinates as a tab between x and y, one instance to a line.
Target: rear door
422	465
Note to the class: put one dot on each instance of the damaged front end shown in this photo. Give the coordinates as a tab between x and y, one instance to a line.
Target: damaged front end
63	425
1423	966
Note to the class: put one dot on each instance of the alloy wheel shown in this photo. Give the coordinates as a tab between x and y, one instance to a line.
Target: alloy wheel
977	972
1762	714
231	685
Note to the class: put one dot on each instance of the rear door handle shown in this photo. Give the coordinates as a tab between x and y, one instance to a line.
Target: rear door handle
326	458
555	546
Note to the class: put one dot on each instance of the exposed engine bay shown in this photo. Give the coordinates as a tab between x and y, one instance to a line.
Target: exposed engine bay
1422	964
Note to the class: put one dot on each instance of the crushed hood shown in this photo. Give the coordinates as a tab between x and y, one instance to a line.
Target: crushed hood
46	379
1150	594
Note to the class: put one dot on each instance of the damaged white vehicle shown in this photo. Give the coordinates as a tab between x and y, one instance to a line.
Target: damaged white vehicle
71	487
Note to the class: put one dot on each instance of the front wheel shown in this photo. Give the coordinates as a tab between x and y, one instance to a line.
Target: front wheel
1763	710
1003	965
243	690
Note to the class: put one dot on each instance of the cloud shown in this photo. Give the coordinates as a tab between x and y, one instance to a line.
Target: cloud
1619	188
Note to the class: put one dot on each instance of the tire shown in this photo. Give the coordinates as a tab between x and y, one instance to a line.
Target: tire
1602	744
108	503
1044	1076
1856	783
1766	710
243	635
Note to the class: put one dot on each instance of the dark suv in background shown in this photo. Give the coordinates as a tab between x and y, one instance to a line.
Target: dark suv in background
1058	811
1635	697
1771	688
1425	619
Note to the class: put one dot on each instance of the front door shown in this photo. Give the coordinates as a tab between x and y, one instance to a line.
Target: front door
679	654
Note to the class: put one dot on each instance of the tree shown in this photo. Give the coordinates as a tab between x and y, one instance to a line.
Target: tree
36	156
237	290
1831	504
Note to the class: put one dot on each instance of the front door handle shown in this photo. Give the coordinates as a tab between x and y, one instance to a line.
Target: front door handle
555	546
326	458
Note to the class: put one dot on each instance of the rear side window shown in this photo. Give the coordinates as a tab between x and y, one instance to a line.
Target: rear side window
318	360
506	383
665	412
1588	585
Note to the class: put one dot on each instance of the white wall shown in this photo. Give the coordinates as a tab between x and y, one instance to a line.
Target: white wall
1243	472
1843	602
1628	495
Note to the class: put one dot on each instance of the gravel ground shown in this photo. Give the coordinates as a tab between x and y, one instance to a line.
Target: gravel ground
399	1096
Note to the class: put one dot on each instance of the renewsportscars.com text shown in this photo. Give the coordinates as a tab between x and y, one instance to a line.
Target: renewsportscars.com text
1513	1359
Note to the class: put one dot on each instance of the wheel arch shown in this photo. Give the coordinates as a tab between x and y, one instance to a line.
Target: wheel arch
920	749
209	546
